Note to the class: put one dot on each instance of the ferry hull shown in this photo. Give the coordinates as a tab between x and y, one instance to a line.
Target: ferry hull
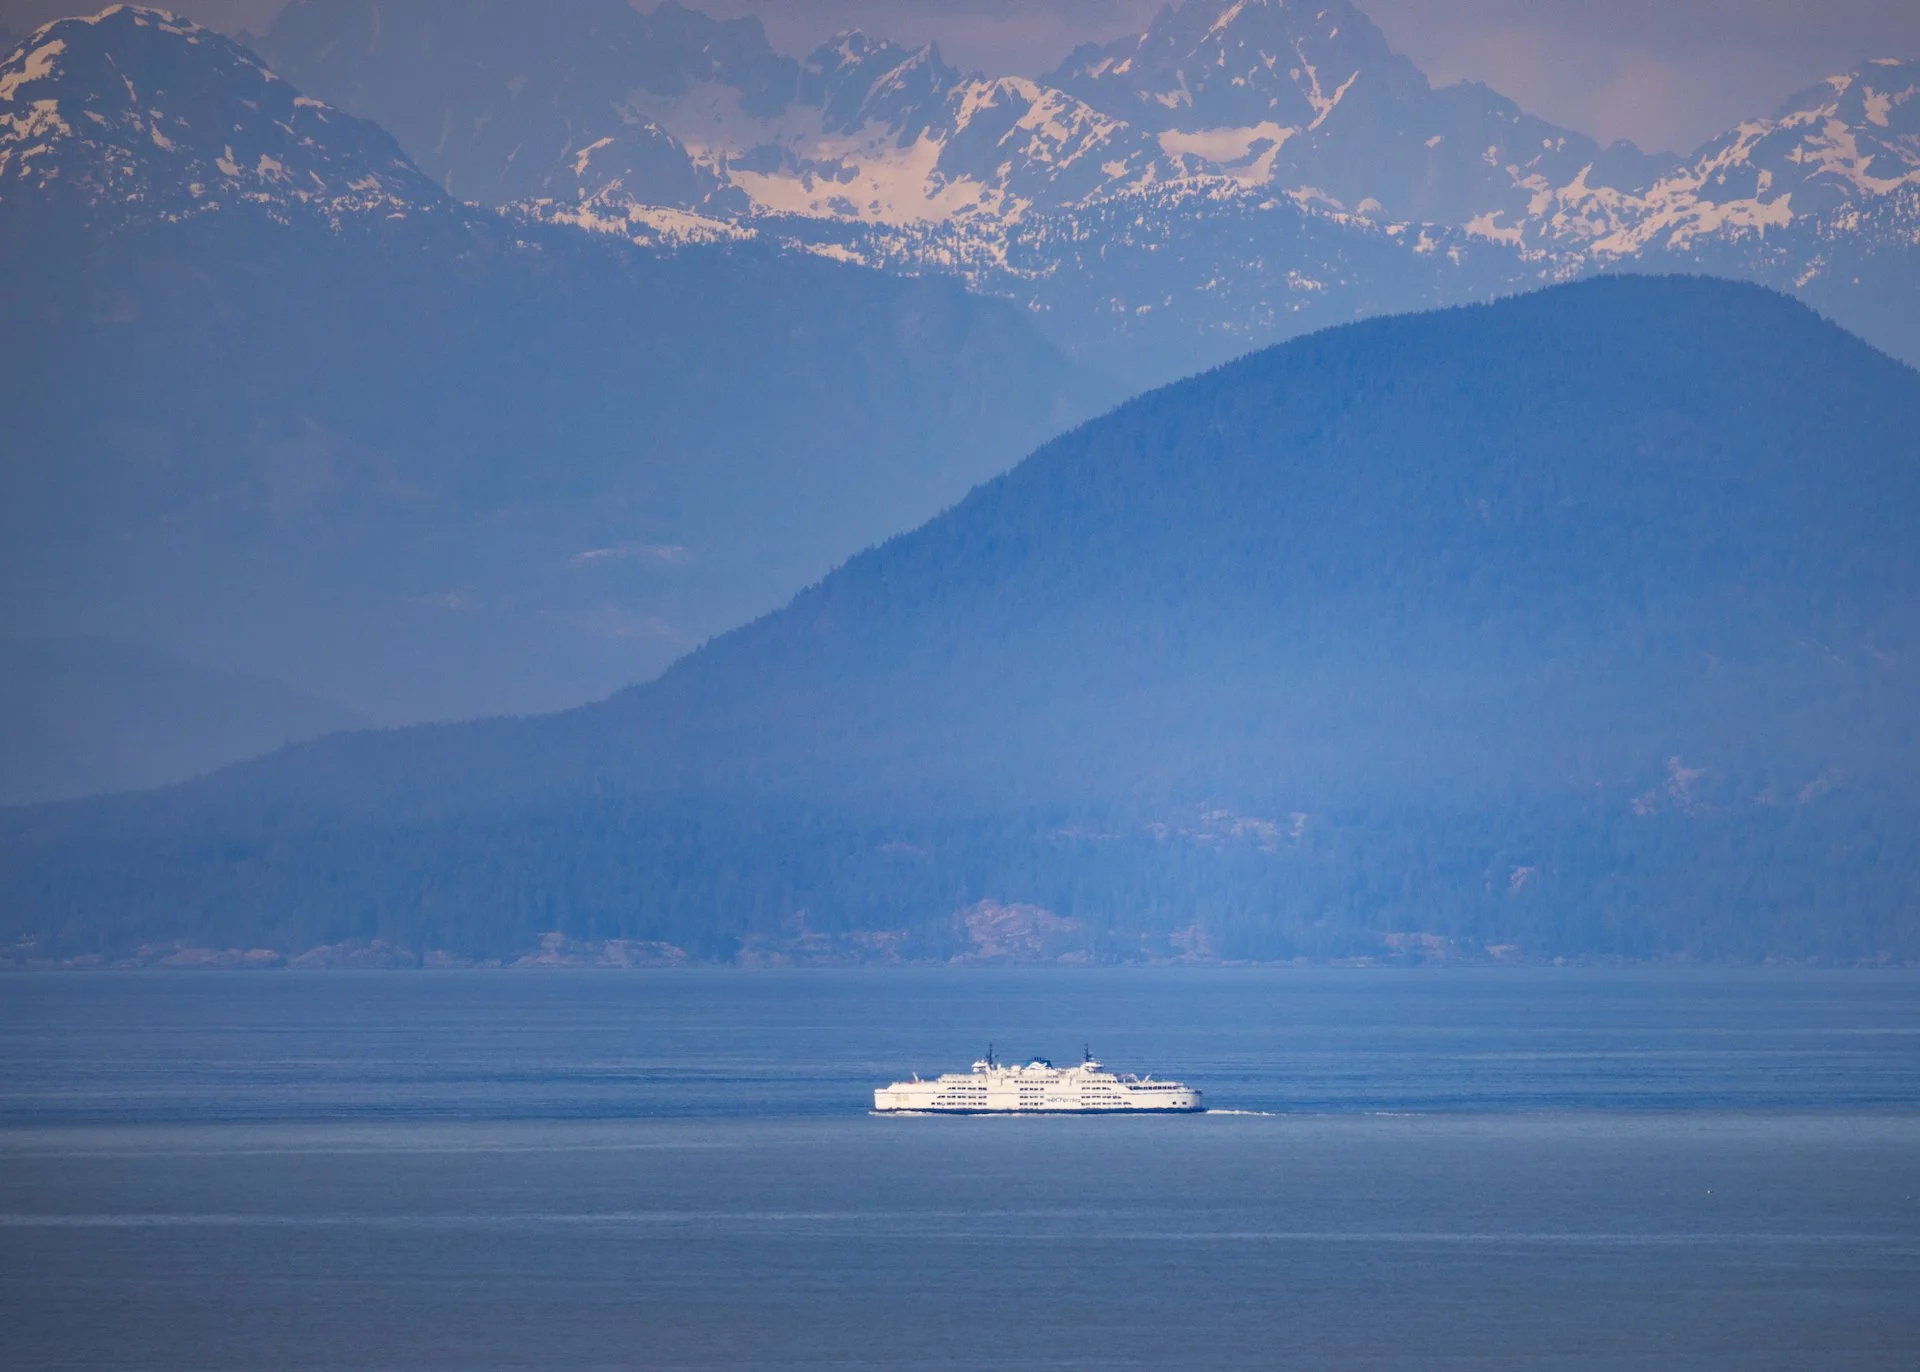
1065	1110
1037	1088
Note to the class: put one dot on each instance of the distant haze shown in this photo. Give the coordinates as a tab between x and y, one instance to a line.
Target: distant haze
1664	73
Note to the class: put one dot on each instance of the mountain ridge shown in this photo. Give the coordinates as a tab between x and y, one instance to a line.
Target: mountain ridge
1608	653
96	120
83	716
1323	144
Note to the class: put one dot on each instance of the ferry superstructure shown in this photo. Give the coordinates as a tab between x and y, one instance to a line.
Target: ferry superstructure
1036	1088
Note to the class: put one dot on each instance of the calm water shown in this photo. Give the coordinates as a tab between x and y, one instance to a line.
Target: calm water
1524	1170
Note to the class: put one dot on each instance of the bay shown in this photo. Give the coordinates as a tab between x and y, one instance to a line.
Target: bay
1491	1168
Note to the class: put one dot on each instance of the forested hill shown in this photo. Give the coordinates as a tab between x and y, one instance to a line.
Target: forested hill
1583	623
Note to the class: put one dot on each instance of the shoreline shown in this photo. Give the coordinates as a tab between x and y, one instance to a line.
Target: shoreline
384	958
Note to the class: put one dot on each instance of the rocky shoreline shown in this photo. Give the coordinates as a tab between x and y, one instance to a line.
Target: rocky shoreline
557	952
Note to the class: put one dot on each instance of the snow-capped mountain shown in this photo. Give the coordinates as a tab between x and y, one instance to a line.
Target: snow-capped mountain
877	133
501	102
1309	99
596	102
1241	170
1146	256
1265	94
108	113
1821	200
1848	147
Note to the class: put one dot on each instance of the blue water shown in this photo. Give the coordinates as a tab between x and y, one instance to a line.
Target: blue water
1492	1169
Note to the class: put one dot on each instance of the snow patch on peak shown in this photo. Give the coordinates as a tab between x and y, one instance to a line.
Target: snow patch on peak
849	46
647	225
585	155
1228	17
1323	104
37	66
1488	226
1247	155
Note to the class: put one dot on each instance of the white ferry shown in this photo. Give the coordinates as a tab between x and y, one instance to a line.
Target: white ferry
1038	1088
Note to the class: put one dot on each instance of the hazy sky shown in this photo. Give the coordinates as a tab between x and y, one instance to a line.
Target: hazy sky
1666	73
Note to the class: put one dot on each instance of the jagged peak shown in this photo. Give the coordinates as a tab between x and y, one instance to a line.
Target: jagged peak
1234	63
148	16
138	15
845	48
855	47
141	114
856	78
1868	94
1879	69
1210	22
926	55
924	60
47	52
166	20
1236	11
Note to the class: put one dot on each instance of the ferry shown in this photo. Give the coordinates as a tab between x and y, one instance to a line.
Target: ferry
1036	1088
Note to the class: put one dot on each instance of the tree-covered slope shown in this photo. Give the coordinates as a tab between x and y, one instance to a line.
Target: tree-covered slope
1584	622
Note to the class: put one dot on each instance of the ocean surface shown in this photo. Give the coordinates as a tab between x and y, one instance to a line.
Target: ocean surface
1509	1169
